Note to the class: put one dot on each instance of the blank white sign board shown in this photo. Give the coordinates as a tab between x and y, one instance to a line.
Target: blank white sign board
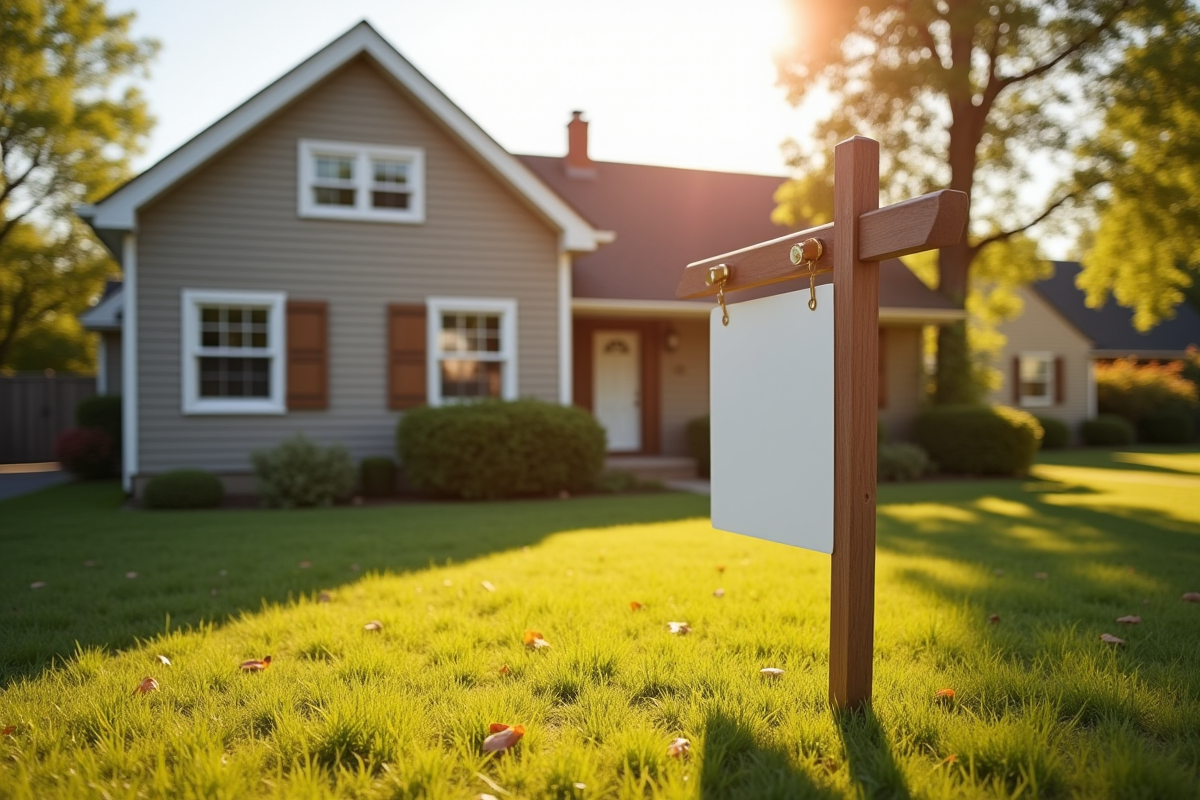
771	395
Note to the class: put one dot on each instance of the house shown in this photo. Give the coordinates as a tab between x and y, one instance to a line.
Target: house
1052	347
348	244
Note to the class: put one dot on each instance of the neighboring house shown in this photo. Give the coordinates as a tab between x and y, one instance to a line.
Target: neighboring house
1052	347
104	318
348	244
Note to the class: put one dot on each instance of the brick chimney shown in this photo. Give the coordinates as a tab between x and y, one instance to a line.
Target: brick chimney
579	165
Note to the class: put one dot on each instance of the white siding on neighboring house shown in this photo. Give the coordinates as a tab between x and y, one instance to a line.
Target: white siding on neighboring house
902	380
234	226
1042	331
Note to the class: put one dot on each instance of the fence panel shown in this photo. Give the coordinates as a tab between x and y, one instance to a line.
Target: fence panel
34	409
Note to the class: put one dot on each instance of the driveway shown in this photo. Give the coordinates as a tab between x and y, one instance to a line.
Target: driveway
18	479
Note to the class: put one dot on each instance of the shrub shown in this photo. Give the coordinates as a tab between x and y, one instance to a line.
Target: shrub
101	411
377	476
183	488
699	442
1168	426
901	461
1134	391
496	449
1055	433
620	481
299	472
979	440
1106	429
86	452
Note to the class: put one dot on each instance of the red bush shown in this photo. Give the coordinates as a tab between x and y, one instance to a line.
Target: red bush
86	452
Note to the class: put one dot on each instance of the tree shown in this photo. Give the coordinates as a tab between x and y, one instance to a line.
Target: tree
65	136
1146	249
964	94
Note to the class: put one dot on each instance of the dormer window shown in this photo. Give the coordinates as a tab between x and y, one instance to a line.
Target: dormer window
369	183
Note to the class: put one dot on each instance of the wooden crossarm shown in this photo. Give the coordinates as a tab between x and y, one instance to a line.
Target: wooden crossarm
927	222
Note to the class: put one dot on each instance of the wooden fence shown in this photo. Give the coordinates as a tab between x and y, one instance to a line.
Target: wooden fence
34	409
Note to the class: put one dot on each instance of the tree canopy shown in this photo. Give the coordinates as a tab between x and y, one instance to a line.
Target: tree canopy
982	97
67	135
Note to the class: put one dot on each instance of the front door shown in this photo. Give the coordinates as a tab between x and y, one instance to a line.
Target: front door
617	384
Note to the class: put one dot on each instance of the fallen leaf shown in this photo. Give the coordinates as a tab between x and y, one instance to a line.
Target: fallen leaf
680	628
166	662
8	730
580	785
131	575
1041	576
486	796
1191	597
997	572
89	563
679	748
720	567
1131	619
1108	638
146	686
950	759
488	585
719	593
504	670
255	665
944	694
534	639
324	597
355	567
37	585
503	737
213	592
223	573
771	672
305	564
634	605
374	626
994	618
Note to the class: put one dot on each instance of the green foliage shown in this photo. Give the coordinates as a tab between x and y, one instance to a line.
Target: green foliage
299	473
699	441
377	476
1150	153
87	453
1055	433
901	461
1135	391
182	489
1106	430
70	121
620	481
979	440
1168	426
496	449
101	411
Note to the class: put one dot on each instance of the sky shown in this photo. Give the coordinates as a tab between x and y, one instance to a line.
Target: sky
670	82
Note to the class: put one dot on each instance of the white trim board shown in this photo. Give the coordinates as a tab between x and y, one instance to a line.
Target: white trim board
129	363
118	211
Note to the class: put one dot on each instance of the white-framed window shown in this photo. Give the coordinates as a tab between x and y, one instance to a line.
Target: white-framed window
233	352
1035	371
472	349
366	182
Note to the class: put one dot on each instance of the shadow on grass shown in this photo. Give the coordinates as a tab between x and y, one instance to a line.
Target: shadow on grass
873	768
736	765
194	566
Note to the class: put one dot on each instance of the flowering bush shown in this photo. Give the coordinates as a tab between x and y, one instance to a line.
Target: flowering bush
1133	391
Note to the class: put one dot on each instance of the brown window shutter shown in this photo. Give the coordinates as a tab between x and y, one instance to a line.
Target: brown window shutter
406	356
1060	381
307	355
882	368
1016	381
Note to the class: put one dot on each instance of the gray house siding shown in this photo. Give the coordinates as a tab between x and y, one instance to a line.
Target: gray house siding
903	380
234	226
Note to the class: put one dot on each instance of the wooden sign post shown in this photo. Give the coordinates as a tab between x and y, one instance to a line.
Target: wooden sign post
851	247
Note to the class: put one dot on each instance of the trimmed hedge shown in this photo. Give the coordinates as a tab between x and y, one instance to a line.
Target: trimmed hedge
87	453
377	476
1055	433
901	461
979	440
1168	426
699	441
495	449
1106	429
183	488
101	411
299	473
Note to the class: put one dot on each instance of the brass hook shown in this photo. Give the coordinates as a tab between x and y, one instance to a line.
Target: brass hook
806	253
717	276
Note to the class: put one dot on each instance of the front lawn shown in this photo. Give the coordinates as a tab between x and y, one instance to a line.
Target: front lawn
1042	708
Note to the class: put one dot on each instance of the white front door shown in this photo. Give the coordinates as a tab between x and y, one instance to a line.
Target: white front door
617	387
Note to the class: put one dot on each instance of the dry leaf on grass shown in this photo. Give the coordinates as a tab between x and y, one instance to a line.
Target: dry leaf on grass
324	597
255	665
1041	576
488	585
37	585
305	564
131	575
534	640
486	796
950	759
720	567
504	670
679	628
166	662
146	686
9	730
998	572
679	748
502	737
1130	619
944	694
719	593
994	618
1191	597
771	672
374	626
1108	638
634	605
89	563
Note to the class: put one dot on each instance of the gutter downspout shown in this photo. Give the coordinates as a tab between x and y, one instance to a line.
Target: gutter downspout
129	366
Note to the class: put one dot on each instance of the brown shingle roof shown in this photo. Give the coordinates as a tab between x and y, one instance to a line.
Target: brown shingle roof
666	218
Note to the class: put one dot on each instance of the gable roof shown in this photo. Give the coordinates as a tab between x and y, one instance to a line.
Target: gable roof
106	314
666	218
1111	327
118	211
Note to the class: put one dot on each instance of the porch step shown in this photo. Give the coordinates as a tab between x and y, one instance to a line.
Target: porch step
655	468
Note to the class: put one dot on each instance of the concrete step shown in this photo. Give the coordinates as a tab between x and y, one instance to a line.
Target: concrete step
655	468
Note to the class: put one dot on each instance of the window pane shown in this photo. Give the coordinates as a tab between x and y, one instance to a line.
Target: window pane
389	199
1035	376
339	168
258	316
212	315
325	196
235	377
466	380
390	172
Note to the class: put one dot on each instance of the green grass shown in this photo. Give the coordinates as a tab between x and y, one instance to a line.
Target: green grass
1042	708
